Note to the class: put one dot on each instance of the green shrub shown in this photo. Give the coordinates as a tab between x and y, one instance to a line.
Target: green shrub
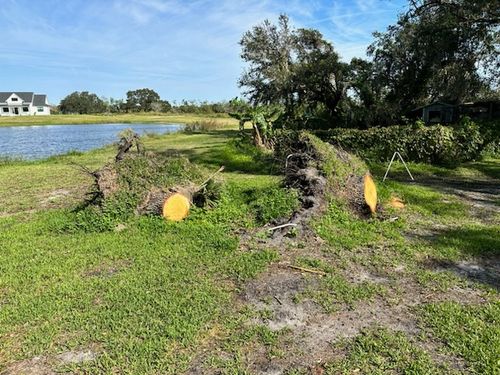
435	144
469	139
492	149
490	131
274	203
201	126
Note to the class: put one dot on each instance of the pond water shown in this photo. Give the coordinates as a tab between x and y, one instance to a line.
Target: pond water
36	142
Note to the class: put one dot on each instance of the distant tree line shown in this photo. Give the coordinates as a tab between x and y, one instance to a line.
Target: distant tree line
140	100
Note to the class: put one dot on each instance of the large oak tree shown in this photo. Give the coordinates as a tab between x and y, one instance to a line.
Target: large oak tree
142	100
291	67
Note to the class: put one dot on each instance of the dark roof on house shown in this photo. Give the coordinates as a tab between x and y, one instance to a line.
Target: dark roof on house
434	103
24	95
39	100
27	97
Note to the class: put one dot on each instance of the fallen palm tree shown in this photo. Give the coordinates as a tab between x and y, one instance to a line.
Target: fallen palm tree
148	183
321	171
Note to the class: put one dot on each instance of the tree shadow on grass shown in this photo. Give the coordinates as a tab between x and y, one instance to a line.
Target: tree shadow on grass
480	195
432	203
236	155
490	168
446	179
237	163
479	245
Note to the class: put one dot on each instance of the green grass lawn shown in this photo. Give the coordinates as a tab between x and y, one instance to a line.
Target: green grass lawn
149	297
160	118
143	296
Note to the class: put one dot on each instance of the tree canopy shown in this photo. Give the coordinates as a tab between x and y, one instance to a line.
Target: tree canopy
444	50
82	103
142	100
291	67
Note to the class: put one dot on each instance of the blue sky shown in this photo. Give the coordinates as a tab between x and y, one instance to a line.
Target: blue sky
181	49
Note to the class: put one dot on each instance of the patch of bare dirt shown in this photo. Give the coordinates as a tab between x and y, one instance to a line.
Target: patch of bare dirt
108	270
61	197
76	356
311	335
483	270
46	365
55	195
25	213
39	365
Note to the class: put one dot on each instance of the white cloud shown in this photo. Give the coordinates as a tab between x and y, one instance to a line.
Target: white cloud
365	5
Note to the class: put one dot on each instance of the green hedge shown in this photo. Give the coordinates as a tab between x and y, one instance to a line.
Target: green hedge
435	144
490	131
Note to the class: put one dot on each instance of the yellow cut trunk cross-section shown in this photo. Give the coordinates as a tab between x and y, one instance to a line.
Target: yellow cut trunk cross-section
176	207
370	191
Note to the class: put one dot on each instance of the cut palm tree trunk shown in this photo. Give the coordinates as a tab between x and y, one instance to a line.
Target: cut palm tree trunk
176	207
370	193
173	203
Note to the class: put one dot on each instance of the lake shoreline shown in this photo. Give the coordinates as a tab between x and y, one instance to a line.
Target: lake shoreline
40	142
128	118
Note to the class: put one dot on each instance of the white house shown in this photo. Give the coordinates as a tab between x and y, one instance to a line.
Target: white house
23	104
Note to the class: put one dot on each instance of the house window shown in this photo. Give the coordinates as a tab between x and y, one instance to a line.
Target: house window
25	109
6	109
40	109
14	99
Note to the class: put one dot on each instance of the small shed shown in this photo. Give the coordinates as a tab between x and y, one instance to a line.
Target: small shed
437	113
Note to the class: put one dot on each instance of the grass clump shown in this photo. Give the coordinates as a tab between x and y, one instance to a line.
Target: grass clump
343	230
8	160
335	291
472	332
382	351
248	204
249	264
440	281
